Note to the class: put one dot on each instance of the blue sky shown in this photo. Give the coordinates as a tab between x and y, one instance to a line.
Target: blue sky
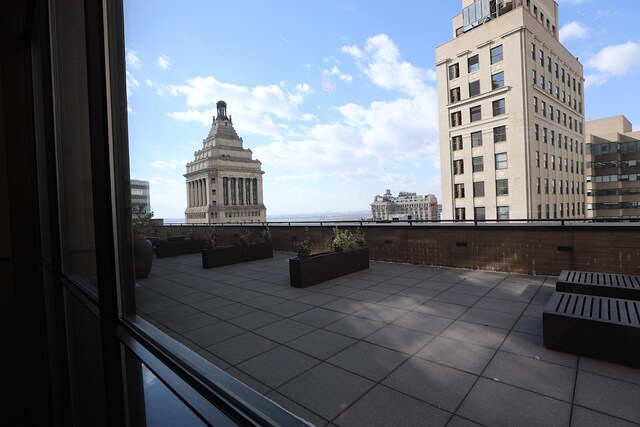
337	99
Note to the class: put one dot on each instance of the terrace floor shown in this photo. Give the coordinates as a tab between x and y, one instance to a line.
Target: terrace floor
393	345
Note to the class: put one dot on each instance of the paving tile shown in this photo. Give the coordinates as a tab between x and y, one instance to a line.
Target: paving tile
230	311
486	336
296	409
418	294
534	310
318	317
515	293
403	281
211	303
174	312
608	395
213	359
316	299
452	276
401	339
497	404
462	288
423	322
243	295
284	330
189	323
531	346
326	390
255	320
608	369
383	406
212	334
277	366
336	290
355	327
430	382
529	325
321	344
289	308
442	309
368	295
264	301
401	301
248	380
380	313
455	298
583	417
241	347
433	285
345	305
458	421
368	360
538	376
483	316
501	305
193	297
391	288
464	356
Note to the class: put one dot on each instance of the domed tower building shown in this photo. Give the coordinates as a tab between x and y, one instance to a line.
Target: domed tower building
224	182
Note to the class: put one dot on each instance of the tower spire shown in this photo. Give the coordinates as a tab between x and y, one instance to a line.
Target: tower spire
221	106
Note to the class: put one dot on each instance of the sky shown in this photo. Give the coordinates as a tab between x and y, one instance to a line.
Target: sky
337	98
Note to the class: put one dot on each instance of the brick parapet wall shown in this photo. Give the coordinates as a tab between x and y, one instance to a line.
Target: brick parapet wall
517	248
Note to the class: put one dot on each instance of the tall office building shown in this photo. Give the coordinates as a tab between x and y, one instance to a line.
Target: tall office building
224	183
511	115
140	196
613	168
407	206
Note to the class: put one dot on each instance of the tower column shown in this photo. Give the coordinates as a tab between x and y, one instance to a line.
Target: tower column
188	194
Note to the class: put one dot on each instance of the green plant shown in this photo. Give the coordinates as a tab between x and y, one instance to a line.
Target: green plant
245	238
211	241
345	240
304	245
141	222
265	235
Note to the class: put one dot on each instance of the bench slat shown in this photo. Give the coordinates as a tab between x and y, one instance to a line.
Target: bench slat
600	284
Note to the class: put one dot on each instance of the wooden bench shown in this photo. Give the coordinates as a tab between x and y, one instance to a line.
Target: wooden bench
594	326
601	284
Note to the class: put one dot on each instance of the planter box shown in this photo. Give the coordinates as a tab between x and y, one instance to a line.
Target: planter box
258	251
218	257
171	248
326	266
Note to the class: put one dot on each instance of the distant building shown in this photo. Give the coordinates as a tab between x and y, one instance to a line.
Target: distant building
407	206
140	196
613	168
511	105
224	183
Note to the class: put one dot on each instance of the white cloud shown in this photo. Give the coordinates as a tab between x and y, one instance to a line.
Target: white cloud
335	71
617	59
132	59
149	82
132	83
574	30
594	80
171	164
380	61
308	117
163	62
348	78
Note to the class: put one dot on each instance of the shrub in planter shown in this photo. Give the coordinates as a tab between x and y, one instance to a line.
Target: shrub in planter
251	248
350	255
142	247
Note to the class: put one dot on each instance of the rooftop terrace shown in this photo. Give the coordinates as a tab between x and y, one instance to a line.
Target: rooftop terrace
393	345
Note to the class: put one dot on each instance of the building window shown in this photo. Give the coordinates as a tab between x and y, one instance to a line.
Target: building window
541	56
478	189
460	216
557	70
533	51
553	138
499	134
553	162
551	111
478	164
538	185
454	71
497	80
476	139
496	54
546	208
458	167
454	94
503	212
456	119
560	163
562	74
459	191
502	187
548	58
478	213
550	87
536	131
537	159
456	143
474	88
501	160
544	160
553	186
546	186
498	107
555	210
539	211
544	108
535	104
542	82
534	76
544	135
473	63
475	113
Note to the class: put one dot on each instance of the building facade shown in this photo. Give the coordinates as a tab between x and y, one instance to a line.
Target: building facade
140	196
224	182
511	115
613	168
407	206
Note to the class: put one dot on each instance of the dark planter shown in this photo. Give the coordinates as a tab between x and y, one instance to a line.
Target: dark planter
257	251
319	268
142	257
217	257
171	248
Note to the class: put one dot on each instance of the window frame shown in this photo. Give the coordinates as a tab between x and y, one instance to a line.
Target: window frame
496	54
